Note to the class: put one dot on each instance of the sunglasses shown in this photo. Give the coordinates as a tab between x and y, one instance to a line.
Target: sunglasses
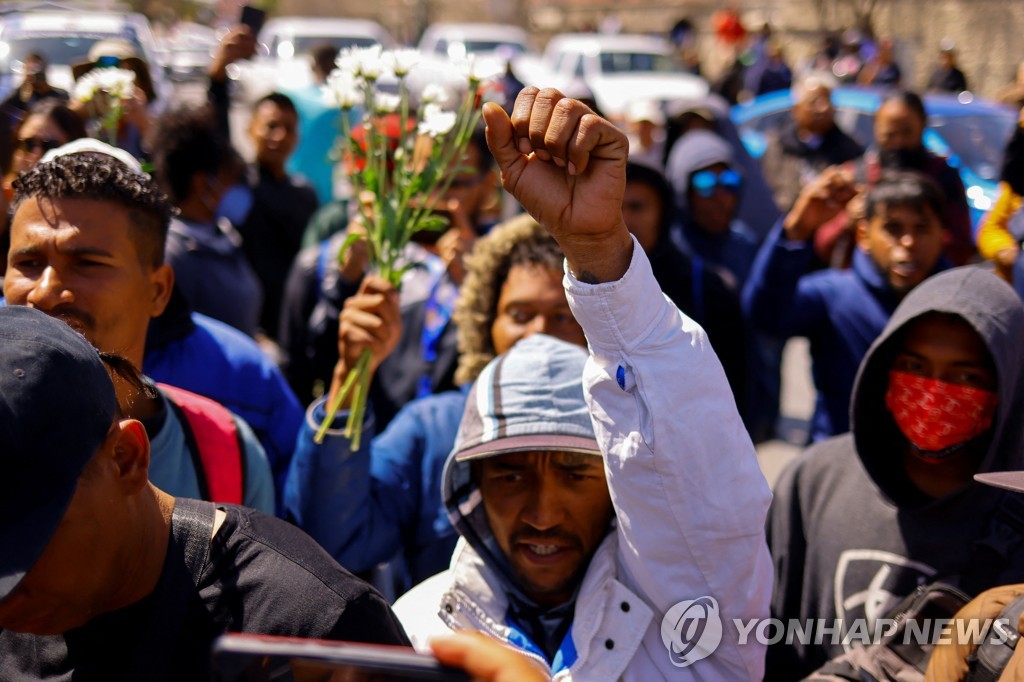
705	182
108	61
31	144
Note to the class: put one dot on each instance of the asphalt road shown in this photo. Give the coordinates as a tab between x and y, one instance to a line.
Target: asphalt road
797	405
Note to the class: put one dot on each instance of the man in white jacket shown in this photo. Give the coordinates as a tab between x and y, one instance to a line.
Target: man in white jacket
640	568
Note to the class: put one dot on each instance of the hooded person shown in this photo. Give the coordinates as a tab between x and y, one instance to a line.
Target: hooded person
708	188
707	185
861	520
696	290
383	502
757	208
562	564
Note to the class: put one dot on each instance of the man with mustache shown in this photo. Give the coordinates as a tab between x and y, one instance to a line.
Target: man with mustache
87	247
595	492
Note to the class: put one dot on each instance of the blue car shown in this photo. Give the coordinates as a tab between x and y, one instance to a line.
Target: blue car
969	131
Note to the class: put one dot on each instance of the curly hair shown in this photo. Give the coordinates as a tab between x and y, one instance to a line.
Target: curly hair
185	141
99	177
519	241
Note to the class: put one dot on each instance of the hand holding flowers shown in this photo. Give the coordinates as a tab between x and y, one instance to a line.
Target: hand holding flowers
404	177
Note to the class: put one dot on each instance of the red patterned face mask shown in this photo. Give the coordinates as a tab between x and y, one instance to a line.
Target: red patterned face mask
935	415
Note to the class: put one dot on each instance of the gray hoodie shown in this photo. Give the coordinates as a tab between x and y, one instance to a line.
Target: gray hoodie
850	536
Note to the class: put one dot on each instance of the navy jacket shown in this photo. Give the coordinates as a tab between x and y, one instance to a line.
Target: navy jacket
365	507
841	312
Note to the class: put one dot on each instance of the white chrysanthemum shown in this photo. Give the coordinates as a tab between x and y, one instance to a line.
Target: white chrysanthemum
434	94
386	103
477	71
436	121
401	62
117	83
347	62
342	89
370	62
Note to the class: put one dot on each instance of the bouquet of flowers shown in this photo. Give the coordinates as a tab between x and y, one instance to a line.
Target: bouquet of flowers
396	184
107	88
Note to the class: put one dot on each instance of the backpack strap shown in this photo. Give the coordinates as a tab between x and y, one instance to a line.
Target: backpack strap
192	528
213	438
187	553
993	654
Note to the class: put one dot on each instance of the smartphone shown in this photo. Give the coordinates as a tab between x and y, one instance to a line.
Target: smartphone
263	658
253	17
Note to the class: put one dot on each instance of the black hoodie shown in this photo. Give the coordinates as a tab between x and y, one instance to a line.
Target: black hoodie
850	536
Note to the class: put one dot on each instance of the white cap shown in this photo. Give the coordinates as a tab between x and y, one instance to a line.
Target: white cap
91	145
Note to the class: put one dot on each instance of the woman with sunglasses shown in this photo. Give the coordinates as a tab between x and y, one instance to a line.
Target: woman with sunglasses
47	126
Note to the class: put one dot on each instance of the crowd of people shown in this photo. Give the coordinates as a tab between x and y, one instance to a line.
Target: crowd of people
559	448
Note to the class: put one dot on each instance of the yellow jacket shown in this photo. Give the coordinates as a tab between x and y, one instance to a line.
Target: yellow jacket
949	660
994	234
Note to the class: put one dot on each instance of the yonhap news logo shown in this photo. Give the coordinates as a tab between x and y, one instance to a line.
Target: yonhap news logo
691	630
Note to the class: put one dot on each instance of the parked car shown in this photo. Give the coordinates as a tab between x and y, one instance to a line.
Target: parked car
969	131
616	69
187	52
458	40
284	50
64	38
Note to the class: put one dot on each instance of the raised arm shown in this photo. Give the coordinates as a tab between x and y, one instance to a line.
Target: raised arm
775	299
689	496
567	167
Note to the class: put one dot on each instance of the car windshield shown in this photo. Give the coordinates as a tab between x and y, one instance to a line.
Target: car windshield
979	140
474	46
305	44
57	48
631	62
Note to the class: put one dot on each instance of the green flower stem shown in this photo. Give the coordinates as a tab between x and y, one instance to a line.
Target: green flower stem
354	427
339	398
112	119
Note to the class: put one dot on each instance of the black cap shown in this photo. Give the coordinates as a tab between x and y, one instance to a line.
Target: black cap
57	403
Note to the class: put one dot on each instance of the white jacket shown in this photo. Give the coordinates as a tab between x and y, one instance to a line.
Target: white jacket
690	503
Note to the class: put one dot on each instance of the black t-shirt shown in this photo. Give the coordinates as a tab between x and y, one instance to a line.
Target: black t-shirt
261	576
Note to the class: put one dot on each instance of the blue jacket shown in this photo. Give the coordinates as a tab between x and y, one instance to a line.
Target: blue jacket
730	255
221	363
841	312
365	506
